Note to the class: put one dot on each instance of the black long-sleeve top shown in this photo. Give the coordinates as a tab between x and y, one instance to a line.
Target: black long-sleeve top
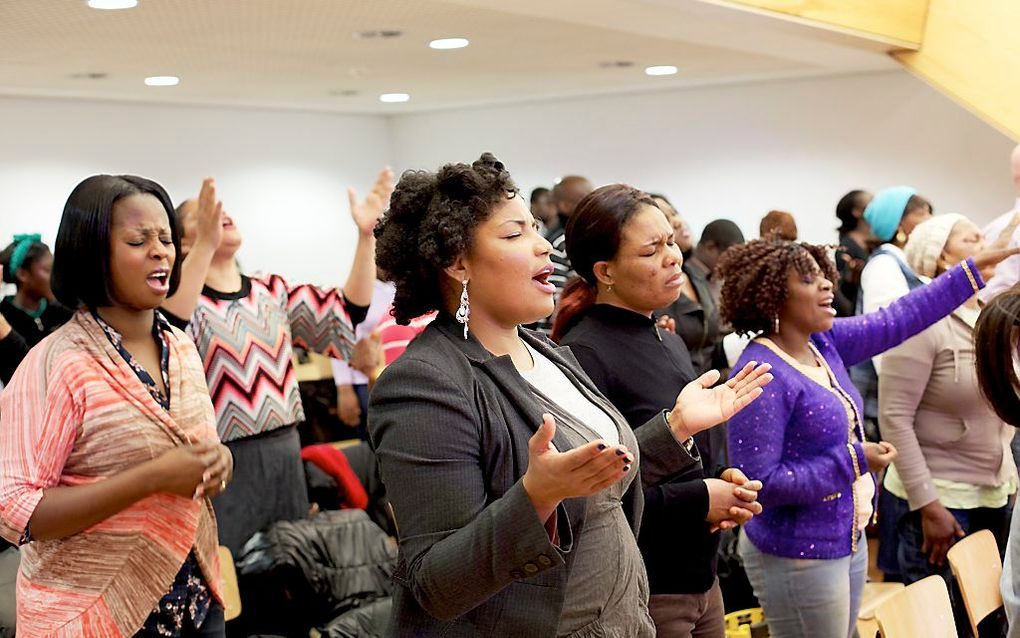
26	331
641	370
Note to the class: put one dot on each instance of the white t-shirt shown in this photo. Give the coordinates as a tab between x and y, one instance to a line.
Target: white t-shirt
547	377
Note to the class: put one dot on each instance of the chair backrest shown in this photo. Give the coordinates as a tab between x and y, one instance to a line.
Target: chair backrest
977	567
231	593
920	609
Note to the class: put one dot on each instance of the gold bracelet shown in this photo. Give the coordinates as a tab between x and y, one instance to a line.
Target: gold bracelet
970	276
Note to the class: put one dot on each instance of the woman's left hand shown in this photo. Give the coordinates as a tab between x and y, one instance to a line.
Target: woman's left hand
701	406
666	322
217	474
366	214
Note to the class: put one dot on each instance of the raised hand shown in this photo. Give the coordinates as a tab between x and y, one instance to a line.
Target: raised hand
701	406
989	258
367	213
553	476
209	217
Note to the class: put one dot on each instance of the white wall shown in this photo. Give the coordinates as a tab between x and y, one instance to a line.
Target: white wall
732	151
281	175
737	151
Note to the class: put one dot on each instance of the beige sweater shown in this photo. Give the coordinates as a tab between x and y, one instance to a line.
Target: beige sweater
931	409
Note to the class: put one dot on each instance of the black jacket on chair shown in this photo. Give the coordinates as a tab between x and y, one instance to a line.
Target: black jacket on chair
450	424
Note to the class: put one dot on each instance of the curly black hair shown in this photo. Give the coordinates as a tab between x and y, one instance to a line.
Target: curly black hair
754	279
431	220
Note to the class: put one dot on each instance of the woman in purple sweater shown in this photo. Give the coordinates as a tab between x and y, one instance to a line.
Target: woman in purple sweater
805	555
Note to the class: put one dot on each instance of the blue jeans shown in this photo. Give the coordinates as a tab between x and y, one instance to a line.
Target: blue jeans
807	598
914	564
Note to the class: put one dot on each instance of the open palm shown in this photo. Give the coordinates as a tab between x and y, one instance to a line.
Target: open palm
366	213
701	406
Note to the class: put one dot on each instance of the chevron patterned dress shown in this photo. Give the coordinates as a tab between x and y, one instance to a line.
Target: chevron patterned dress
246	340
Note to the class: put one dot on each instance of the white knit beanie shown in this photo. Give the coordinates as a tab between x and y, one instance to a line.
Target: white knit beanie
927	242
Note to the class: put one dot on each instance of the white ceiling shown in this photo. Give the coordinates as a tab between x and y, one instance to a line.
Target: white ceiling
303	53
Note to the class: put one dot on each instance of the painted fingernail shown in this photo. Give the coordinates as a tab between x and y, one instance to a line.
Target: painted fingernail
602	446
620	452
626	468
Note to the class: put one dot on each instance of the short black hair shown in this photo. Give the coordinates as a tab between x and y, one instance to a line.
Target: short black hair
431	220
723	233
81	255
845	211
34	252
538	192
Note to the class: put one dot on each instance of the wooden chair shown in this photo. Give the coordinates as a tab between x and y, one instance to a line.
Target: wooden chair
977	567
875	593
921	609
231	593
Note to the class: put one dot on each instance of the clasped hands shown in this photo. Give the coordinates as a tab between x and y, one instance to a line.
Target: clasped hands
199	470
732	500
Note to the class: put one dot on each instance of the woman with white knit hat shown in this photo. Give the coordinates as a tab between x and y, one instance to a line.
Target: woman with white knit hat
955	472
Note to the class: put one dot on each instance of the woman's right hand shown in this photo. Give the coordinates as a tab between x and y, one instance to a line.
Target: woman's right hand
210	215
180	471
940	529
553	476
879	455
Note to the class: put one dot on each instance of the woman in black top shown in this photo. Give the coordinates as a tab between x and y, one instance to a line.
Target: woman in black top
855	243
32	312
623	248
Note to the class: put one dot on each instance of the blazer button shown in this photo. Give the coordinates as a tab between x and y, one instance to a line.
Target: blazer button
544	561
531	568
516	574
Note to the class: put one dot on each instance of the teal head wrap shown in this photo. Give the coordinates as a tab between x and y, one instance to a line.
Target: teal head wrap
24	242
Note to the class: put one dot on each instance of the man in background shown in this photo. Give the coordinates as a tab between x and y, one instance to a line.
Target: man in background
544	211
566	195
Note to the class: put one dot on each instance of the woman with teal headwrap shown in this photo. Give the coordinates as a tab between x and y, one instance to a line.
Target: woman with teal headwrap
31	313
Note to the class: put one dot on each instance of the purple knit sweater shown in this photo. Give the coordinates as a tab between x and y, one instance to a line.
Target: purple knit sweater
794	437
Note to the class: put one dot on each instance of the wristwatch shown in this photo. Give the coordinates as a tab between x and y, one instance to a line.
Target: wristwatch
689	443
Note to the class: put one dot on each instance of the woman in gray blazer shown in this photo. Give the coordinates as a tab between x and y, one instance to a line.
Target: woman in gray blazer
514	483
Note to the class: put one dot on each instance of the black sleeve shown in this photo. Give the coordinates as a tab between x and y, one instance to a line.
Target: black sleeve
13	349
174	320
356	313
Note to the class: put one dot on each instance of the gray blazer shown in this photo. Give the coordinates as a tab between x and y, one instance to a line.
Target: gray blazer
450	424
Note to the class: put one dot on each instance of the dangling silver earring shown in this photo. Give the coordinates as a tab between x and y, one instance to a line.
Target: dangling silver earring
464	311
777	324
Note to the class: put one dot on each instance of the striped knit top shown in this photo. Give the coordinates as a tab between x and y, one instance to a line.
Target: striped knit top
246	341
75	413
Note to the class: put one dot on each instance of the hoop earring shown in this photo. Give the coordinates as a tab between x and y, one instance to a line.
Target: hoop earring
901	237
464	311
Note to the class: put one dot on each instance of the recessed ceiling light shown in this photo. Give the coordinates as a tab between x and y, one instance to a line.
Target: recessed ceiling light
394	98
88	76
162	80
661	70
343	92
449	43
110	5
